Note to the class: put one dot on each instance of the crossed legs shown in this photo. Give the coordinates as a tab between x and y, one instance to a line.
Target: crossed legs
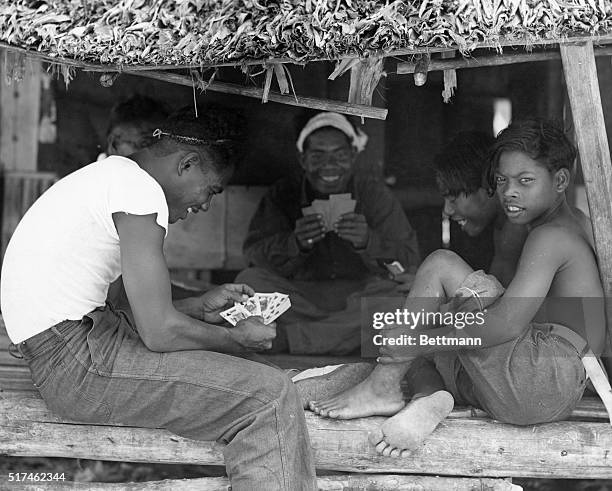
440	275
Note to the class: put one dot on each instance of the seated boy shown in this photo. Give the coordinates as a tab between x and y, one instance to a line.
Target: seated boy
131	124
461	174
528	367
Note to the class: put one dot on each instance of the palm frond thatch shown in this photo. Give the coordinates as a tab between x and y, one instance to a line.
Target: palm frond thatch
208	32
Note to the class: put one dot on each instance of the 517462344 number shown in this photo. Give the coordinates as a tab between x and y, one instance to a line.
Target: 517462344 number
35	476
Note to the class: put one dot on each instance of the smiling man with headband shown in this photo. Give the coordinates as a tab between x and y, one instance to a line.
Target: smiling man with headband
322	235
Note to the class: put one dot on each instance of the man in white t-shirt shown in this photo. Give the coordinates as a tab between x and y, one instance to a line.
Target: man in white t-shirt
168	366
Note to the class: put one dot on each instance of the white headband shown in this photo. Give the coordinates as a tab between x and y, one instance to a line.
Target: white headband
358	138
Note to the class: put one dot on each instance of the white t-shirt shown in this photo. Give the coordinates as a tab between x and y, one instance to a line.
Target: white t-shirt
65	253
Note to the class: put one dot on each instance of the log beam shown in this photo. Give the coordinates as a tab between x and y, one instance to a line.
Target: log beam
440	64
361	110
558	450
324	483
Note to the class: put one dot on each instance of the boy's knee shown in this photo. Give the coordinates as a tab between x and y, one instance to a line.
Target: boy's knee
527	414
442	258
526	408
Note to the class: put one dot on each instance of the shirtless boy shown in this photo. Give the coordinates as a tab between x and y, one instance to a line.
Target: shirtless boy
527	369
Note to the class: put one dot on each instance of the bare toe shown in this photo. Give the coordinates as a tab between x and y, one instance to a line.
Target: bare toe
412	425
387	451
376	436
380	448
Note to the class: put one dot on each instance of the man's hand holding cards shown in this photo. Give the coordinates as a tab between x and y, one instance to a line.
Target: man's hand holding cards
331	210
269	306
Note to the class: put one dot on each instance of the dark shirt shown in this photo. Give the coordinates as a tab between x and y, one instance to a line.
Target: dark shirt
271	243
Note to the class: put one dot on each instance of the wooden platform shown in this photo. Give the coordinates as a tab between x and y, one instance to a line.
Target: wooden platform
459	447
472	450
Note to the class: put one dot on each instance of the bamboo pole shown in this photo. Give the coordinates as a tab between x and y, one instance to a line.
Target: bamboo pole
487	61
257	93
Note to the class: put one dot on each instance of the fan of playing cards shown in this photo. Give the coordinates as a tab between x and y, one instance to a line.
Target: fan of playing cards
331	209
270	306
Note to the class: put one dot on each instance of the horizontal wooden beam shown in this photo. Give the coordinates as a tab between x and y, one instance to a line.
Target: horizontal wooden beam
487	61
360	110
559	450
324	483
257	93
496	44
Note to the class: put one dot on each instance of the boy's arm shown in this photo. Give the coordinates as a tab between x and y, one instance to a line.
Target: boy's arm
507	244
147	284
509	316
546	251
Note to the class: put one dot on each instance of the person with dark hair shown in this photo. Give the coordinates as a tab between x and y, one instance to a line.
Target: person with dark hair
131	124
461	174
326	268
525	355
164	364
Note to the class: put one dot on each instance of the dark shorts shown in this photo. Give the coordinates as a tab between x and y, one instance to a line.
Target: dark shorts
537	377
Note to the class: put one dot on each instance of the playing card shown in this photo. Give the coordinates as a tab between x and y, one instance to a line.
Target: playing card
341	196
234	314
308	210
276	309
264	299
339	205
315	372
331	209
252	306
267	305
321	206
273	300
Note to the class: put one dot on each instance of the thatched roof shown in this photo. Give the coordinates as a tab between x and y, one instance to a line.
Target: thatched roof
201	32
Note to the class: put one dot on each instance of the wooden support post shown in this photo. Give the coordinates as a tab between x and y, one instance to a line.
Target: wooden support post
365	76
19	113
592	141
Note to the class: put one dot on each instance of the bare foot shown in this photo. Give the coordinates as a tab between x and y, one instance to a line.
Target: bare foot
379	394
406	431
325	386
